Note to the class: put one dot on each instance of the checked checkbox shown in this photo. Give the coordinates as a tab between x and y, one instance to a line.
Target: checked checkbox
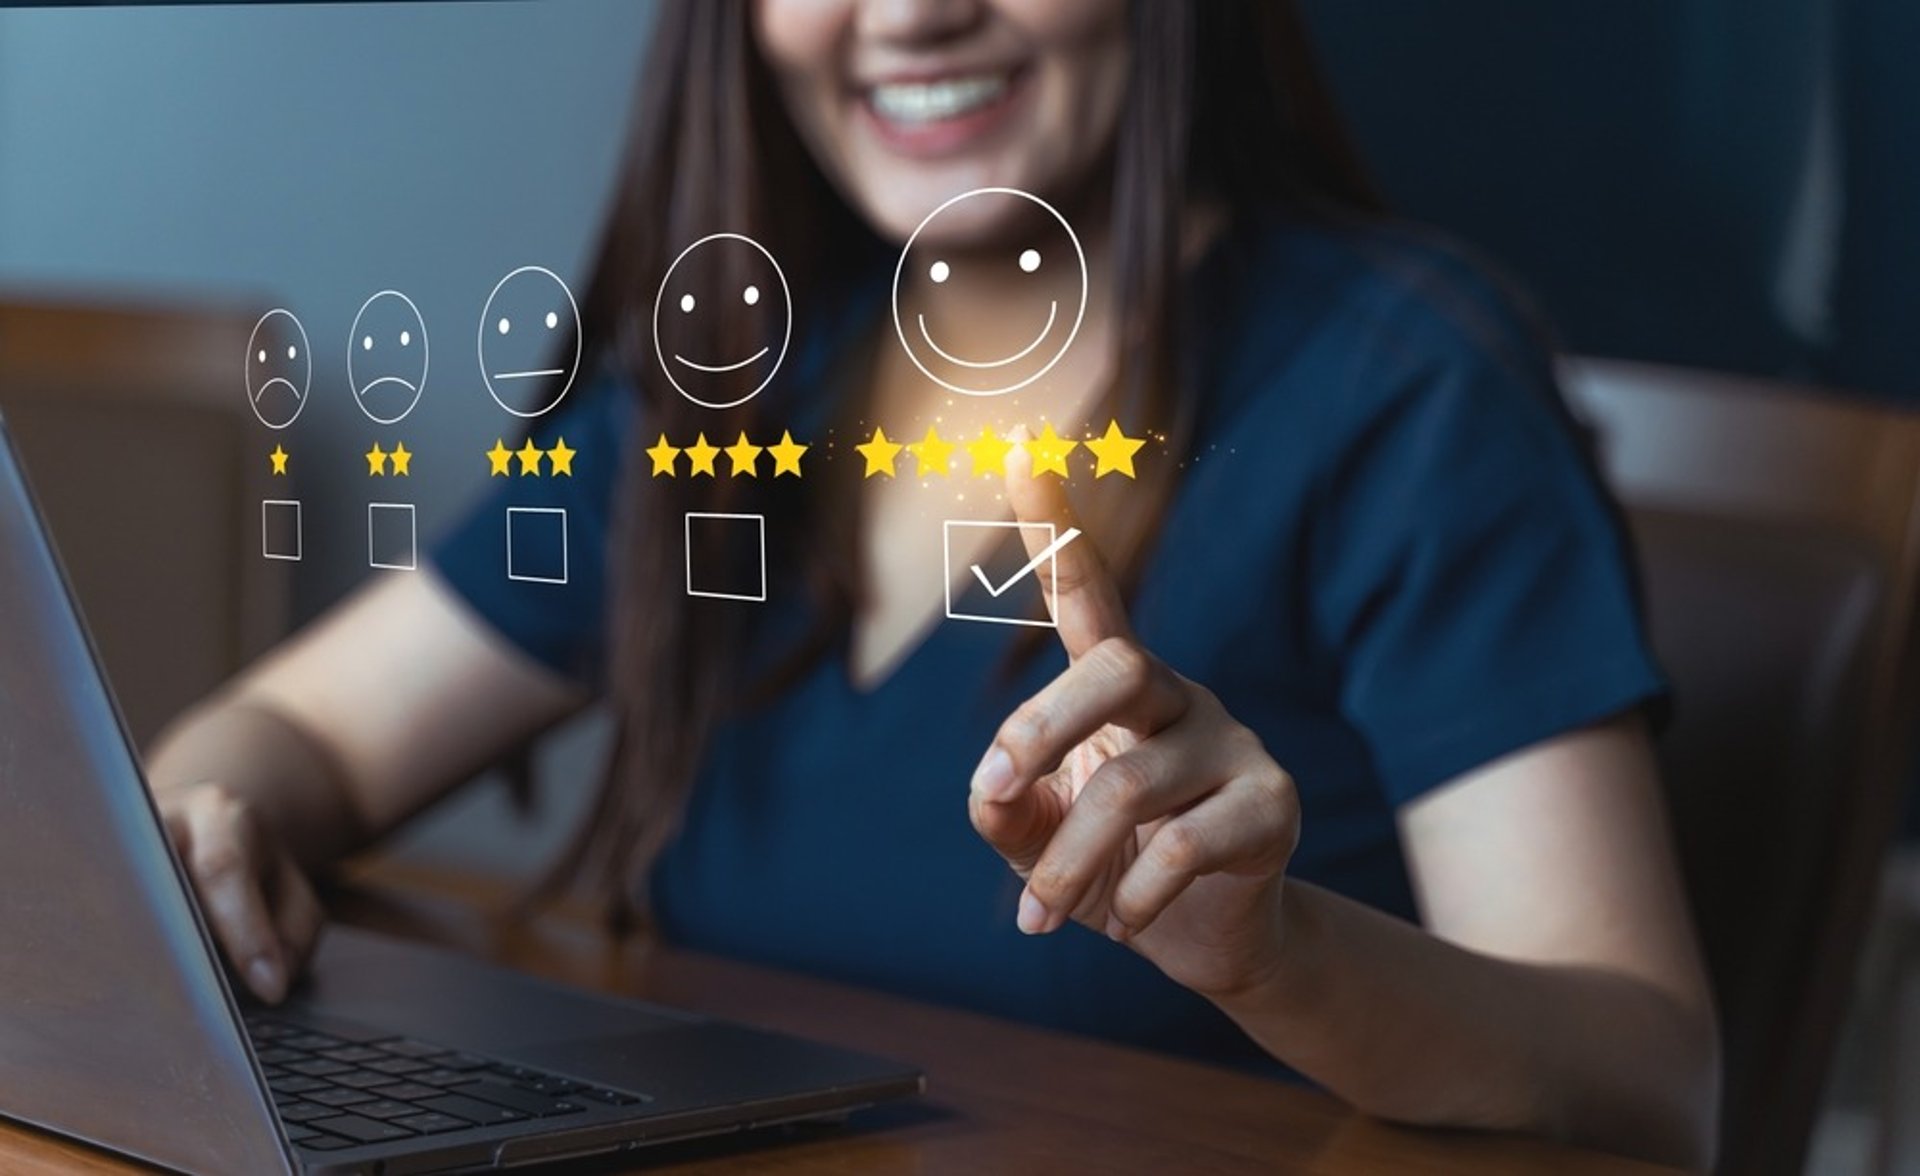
1011	580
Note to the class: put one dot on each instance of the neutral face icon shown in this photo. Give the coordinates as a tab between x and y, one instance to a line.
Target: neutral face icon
387	357
1055	271
735	278
530	341
279	370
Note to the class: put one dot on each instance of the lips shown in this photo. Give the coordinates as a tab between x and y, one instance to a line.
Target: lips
936	115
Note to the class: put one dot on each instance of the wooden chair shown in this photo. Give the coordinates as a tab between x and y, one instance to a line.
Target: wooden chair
133	424
1779	538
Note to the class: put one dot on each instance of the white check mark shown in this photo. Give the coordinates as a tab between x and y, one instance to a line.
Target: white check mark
1052	549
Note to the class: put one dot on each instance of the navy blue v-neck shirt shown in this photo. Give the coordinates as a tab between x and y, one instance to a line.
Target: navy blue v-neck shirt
1386	554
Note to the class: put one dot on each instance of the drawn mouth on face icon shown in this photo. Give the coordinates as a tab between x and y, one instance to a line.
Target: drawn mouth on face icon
408	385
534	375
1052	314
280	380
724	368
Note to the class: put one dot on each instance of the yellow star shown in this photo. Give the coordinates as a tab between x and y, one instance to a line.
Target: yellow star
1050	451
376	461
664	456
279	459
786	455
529	456
402	461
500	458
880	454
989	454
561	457
745	456
1113	453
701	455
934	454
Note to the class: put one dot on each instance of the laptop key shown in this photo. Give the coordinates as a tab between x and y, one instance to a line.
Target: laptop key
319	1068
385	1108
362	1130
294	1084
471	1109
340	1097
279	1055
431	1123
441	1077
408	1048
325	1143
462	1061
405	1091
296	1132
399	1066
304	1112
361	1079
354	1054
312	1042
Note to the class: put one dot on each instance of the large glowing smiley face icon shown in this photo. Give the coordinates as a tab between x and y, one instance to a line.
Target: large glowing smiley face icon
529	341
279	370
1054	251
759	301
387	357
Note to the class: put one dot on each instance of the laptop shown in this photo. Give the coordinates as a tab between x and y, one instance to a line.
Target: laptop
119	1028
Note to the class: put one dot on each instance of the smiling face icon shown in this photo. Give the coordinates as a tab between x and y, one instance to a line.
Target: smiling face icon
1042	323
279	370
722	320
529	341
387	357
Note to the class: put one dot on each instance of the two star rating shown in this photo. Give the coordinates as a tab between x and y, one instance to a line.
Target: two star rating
1113	453
559	459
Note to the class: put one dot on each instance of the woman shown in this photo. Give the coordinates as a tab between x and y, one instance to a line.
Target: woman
1410	676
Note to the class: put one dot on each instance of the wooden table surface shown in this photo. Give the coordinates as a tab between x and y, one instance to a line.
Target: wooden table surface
1002	1097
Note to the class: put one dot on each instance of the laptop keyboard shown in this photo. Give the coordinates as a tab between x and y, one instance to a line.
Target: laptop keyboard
333	1093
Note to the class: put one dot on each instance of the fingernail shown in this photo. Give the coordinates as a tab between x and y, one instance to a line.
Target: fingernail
1032	919
264	975
993	779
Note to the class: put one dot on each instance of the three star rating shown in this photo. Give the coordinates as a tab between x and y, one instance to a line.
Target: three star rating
558	460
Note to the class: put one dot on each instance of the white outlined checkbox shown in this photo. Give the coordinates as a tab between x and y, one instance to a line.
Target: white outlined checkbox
393	539
281	534
537	544
1039	570
727	584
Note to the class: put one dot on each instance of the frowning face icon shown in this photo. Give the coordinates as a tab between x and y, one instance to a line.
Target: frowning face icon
1048	277
722	287
387	357
279	370
529	341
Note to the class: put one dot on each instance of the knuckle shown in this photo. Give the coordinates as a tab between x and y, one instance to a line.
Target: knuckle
1179	848
1126	663
1122	786
1051	882
1025	731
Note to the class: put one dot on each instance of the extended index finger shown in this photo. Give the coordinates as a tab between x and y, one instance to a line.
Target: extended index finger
1080	591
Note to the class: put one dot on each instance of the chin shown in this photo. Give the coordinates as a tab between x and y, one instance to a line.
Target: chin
897	195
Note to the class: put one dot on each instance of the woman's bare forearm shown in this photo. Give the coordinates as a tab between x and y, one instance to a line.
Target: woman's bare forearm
1412	1028
289	778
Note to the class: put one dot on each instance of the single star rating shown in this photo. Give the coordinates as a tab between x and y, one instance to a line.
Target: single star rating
787	455
701	456
989	454
279	458
557	461
402	461
934	454
745	456
880	454
1049	451
1113	453
664	456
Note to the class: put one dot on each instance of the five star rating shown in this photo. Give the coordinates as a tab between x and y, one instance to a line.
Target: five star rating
530	460
935	456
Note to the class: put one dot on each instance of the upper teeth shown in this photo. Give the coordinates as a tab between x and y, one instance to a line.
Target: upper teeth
919	102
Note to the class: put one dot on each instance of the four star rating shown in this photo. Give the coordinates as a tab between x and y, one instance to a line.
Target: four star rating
531	460
743	457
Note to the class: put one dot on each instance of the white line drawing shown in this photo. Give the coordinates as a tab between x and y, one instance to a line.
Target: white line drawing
407	557
751	296
760	526
545	307
533	576
279	369
1048	558
285	507
387	344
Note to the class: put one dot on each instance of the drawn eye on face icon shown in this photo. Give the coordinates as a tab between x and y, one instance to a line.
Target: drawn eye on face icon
1053	257
529	341
387	357
762	310
279	370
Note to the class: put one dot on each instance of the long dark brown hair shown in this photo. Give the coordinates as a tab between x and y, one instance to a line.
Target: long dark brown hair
1224	102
